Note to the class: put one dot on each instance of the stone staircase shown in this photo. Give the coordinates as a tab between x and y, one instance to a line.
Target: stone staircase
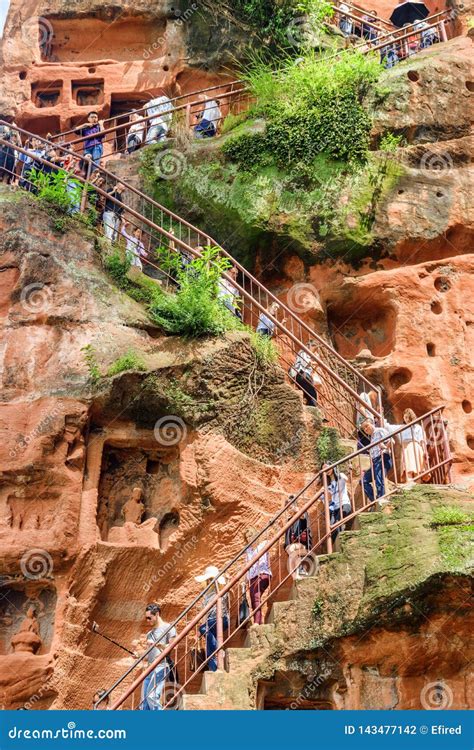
232	688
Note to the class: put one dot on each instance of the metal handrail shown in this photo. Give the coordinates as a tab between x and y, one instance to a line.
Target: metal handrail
332	376
275	539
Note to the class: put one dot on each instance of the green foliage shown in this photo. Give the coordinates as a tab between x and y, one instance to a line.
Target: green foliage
274	19
232	121
449	515
265	350
311	107
390	142
328	447
195	309
118	265
90	357
317	608
58	189
128	361
179	402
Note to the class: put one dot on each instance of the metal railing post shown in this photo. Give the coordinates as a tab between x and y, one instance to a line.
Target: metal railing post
326	512
219	633
85	187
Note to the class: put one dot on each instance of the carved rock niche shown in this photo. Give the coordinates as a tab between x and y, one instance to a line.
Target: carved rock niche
138	490
27	616
31	510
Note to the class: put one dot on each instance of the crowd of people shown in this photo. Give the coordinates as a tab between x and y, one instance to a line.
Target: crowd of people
393	47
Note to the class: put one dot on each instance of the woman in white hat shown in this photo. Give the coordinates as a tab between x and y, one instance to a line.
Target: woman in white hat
209	628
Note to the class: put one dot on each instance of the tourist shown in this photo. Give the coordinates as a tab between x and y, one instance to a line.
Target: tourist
305	376
161	636
362	414
381	459
135	249
208	120
209	628
229	294
92	141
104	704
35	151
368	30
7	157
266	326
298	541
160	110
345	23
429	34
112	215
136	133
413	447
389	55
260	574
340	502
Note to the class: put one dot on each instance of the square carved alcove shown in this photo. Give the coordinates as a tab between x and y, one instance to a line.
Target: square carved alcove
46	94
88	92
27	614
139	490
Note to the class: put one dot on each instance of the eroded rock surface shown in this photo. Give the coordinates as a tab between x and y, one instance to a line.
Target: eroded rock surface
214	442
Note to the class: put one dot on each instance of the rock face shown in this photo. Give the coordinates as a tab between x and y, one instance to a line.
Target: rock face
60	60
209	453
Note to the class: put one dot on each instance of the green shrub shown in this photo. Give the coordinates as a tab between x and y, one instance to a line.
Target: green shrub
449	515
118	265
264	348
313	107
128	361
195	309
58	190
274	19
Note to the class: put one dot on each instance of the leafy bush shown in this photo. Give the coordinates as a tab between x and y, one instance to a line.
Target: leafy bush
195	309
128	361
275	19
118	265
312	107
58	189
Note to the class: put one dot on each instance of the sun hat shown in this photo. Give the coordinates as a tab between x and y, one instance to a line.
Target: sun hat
210	573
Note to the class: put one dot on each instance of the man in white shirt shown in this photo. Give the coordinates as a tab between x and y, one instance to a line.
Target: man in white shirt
380	458
161	635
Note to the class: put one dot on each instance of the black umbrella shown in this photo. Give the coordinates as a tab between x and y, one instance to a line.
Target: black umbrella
409	12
